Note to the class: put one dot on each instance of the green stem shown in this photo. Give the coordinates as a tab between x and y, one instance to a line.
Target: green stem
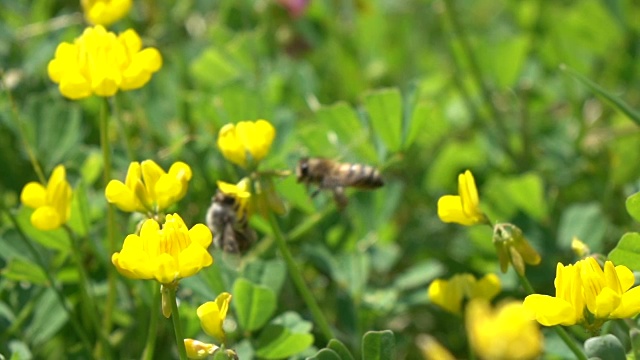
75	324
88	301
175	316
577	351
152	335
298	281
111	226
476	74
23	138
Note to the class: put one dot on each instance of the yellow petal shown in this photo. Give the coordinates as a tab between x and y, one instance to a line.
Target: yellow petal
469	193
46	218
198	350
212	315
450	210
230	146
629	304
625	276
33	195
166	270
446	296
201	235
120	195
487	287
606	302
550	311
193	259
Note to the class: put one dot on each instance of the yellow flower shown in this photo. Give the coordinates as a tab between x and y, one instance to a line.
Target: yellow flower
586	294
148	188
105	12
464	208
199	350
168	254
52	203
448	294
504	333
247	142
212	315
101	63
240	192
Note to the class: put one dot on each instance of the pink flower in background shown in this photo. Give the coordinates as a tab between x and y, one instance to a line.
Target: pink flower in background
295	7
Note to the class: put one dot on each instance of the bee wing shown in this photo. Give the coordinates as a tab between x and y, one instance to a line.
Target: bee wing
229	241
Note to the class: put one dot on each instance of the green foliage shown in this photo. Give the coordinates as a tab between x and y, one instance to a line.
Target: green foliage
606	347
533	97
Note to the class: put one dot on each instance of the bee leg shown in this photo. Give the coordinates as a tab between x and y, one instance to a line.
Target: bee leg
340	198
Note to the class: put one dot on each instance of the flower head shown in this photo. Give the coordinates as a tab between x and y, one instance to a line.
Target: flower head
587	294
105	12
52	203
513	248
448	294
247	142
464	208
101	63
212	315
504	333
148	188
168	254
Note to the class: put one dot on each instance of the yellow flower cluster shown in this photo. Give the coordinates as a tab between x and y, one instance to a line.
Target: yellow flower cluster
448	294
504	333
148	188
101	63
105	12
247	142
52	203
168	254
604	294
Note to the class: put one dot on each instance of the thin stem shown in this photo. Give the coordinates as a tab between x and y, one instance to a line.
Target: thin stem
111	226
476	74
90	305
175	316
577	351
298	281
150	346
23	138
75	324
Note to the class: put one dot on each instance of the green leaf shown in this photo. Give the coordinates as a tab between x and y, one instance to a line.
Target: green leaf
286	335
606	347
633	206
420	116
378	345
48	318
418	275
627	252
325	354
612	99
342	120
52	239
385	111
254	304
23	270
584	221
271	273
340	349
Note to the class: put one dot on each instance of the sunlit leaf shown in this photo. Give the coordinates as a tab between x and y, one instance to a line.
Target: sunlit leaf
384	108
378	345
254	304
627	252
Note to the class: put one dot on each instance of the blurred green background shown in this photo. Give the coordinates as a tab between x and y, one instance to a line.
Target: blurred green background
421	89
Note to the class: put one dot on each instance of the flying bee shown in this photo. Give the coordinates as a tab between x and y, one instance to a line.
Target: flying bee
230	228
336	176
